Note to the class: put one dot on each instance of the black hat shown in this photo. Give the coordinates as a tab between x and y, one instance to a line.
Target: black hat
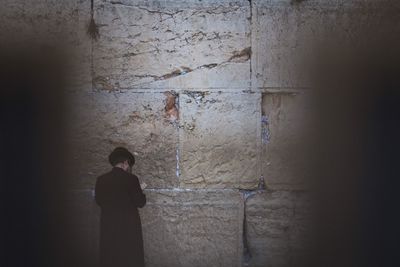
120	154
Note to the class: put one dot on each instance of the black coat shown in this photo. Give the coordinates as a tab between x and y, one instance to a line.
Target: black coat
119	194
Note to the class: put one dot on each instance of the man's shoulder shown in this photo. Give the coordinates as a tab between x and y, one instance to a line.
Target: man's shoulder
104	176
112	174
131	175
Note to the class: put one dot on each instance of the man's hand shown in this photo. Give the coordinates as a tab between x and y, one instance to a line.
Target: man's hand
143	185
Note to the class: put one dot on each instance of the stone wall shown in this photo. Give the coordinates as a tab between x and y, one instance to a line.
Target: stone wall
211	96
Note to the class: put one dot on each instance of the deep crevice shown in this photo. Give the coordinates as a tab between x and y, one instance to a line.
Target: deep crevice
246	194
251	42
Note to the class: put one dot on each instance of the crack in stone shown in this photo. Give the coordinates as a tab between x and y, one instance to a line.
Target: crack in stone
215	11
294	2
146	9
237	57
241	56
251	41
133	54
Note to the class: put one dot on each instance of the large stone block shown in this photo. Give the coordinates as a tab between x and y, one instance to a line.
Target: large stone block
172	44
287	33
287	140
192	228
101	121
278	228
219	138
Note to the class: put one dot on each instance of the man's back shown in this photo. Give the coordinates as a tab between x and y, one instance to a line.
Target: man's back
118	193
119	189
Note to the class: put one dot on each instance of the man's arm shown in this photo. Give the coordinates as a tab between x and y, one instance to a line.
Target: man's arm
137	194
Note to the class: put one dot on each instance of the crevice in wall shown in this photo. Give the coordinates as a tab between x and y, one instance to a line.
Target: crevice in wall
241	56
93	29
171	109
103	83
122	3
178	151
246	194
199	97
294	2
251	42
265	132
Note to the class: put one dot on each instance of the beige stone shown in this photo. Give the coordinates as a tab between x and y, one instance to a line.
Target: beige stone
192	228
286	33
101	121
219	137
172	44
287	140
278	228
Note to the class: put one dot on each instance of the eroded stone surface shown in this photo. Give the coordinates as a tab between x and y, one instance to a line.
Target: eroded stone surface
192	228
172	44
278	228
101	121
285	35
287	138
219	137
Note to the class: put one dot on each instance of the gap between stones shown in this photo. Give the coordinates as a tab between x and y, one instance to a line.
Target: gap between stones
246	194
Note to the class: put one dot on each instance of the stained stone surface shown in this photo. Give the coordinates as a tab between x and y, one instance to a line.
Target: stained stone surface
101	121
192	228
278	228
285	34
219	138
172	44
287	138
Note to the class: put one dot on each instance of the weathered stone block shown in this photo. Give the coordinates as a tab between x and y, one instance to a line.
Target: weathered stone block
287	138
219	138
192	228
172	44
101	121
278	228
286	34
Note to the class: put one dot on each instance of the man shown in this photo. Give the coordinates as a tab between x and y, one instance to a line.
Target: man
119	194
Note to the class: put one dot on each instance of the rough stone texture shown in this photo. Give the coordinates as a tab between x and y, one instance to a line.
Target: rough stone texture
101	121
192	228
192	149
278	228
172	44
286	135
219	136
286	32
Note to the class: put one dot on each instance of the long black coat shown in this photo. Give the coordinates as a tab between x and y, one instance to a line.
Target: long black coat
119	194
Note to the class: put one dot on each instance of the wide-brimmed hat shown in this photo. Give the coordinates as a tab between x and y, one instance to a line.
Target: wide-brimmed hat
120	154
